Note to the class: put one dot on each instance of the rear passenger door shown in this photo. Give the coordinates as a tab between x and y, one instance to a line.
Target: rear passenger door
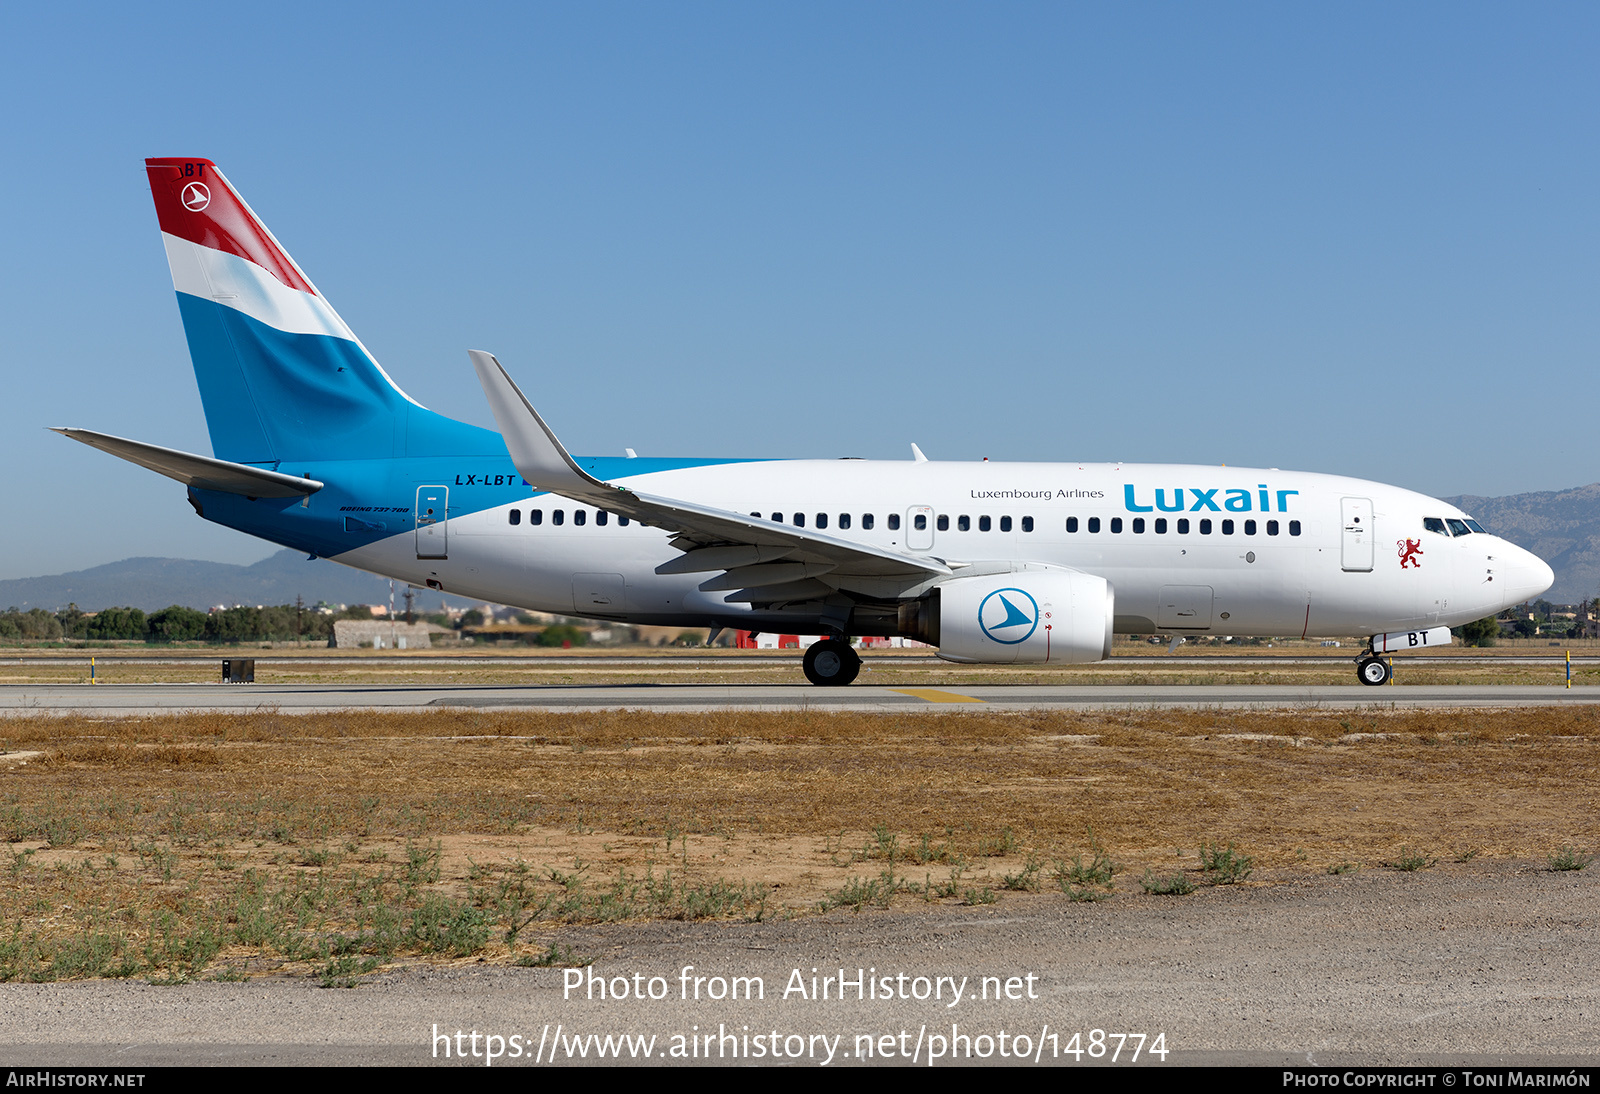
433	509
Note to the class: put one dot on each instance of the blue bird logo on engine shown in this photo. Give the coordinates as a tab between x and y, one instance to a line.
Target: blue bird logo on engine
1005	613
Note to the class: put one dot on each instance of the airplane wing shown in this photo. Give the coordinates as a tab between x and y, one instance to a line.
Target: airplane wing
198	471
763	561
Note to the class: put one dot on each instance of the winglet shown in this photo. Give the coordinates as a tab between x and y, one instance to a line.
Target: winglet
535	451
916	453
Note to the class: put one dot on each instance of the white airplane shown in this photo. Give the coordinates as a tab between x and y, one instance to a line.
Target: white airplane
316	448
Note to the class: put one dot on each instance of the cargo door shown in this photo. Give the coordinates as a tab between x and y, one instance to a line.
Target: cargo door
1184	608
598	594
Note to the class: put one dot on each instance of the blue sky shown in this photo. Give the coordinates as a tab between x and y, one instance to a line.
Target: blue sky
1359	239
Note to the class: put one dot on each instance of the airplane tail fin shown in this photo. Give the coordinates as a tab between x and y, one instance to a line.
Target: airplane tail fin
281	376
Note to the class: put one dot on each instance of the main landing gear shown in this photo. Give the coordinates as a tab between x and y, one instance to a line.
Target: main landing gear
831	662
1372	670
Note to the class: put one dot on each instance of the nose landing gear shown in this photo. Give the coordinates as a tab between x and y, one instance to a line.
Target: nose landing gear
832	663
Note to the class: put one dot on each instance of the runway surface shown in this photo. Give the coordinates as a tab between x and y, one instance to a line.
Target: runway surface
116	699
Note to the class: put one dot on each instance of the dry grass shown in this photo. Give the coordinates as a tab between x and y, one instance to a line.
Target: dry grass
190	845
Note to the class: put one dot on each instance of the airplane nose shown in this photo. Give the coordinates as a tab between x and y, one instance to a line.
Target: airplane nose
1527	575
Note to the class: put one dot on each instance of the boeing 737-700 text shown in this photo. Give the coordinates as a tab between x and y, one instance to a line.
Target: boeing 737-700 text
315	447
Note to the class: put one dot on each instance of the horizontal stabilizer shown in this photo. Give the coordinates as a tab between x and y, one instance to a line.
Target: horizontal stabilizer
201	472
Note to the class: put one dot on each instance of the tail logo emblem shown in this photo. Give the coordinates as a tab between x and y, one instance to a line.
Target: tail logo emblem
196	197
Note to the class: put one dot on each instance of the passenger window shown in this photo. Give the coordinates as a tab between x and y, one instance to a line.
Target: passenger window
1434	524
1294	528
515	516
1183	526
756	515
558	516
601	517
983	524
535	516
1227	527
866	522
943	523
1094	524
964	524
1161	526
580	516
1205	527
1027	524
1272	527
920	522
1138	526
777	518
1072	524
1459	527
799	520
894	522
1249	527
1116	525
1005	524
844	521
622	522
822	520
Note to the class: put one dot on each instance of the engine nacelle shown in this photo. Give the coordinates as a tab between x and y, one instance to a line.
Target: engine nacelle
1057	616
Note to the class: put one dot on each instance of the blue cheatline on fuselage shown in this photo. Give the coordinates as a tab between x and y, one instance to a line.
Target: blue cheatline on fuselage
356	487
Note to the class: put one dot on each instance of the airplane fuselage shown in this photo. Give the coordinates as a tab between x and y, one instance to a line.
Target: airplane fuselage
1187	548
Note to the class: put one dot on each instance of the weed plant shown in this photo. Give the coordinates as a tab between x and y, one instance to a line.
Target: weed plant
1224	865
1568	858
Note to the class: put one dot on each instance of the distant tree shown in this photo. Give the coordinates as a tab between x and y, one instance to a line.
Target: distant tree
1480	632
116	623
35	624
242	624
563	633
74	623
177	624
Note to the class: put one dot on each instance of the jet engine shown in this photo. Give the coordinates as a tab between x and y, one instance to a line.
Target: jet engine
1058	616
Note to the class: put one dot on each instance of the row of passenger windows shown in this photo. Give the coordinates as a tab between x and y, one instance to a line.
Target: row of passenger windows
919	521
1183	523
580	517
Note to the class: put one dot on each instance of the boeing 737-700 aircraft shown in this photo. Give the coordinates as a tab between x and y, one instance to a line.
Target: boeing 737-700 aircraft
315	447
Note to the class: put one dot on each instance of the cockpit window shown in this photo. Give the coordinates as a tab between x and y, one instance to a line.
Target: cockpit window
1459	527
1434	524
1475	526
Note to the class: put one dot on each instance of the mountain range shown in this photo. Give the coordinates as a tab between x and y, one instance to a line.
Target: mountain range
155	583
1560	526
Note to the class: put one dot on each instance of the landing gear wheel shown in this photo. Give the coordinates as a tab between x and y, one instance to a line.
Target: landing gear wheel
1372	671
832	663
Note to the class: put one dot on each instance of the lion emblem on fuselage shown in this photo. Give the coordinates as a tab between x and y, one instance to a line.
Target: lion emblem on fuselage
1409	550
